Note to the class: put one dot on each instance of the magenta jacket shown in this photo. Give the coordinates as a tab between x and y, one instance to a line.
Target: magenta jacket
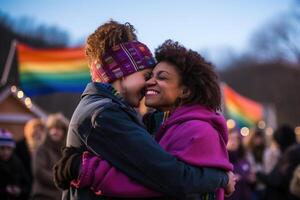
193	134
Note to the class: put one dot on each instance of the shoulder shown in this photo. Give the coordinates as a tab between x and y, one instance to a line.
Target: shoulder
197	128
108	109
114	114
94	102
190	132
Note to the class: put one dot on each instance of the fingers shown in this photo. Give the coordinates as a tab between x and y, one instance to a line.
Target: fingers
230	188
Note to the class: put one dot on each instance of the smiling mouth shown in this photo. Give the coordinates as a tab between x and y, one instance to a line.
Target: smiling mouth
152	92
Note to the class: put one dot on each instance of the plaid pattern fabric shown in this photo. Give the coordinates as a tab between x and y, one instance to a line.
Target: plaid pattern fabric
122	60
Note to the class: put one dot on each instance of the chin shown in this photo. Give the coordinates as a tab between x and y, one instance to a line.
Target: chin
151	104
135	104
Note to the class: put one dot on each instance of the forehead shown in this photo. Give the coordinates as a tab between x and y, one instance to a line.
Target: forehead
165	66
143	71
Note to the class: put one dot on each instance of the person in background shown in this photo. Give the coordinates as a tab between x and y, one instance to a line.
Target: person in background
46	155
242	168
285	137
295	183
278	180
14	180
34	135
272	155
256	147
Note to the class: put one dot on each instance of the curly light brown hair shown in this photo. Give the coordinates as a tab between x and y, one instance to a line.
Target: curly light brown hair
196	74
106	36
57	120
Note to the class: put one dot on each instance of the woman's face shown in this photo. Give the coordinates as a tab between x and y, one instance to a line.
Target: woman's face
233	142
258	140
133	86
164	87
56	134
39	134
6	152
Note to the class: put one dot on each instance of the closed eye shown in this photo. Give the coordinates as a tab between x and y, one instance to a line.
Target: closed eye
147	76
160	77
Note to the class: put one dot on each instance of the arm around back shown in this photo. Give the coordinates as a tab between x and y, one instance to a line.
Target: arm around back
120	139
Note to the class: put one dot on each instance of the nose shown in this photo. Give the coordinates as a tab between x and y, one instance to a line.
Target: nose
151	82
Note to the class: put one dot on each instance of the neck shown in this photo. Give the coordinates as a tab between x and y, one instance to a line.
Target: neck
117	86
167	108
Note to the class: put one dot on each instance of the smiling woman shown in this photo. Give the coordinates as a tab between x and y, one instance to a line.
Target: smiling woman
188	77
164	88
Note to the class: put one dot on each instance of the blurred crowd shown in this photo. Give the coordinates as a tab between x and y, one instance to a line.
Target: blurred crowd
265	168
26	165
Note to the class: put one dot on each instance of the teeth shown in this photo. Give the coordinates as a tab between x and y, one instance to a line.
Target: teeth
149	92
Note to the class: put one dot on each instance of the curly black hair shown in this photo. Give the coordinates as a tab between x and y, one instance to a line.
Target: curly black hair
196	74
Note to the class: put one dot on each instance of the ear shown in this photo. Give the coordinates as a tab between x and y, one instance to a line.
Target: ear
185	92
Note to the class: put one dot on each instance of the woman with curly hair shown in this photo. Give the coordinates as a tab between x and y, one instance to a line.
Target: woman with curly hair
184	89
46	155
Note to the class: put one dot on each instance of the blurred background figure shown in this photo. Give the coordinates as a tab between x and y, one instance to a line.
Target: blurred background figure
34	135
271	155
284	136
278	180
295	183
46	155
14	180
256	147
242	168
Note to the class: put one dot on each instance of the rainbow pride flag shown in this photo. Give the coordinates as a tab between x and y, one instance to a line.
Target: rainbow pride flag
245	112
44	71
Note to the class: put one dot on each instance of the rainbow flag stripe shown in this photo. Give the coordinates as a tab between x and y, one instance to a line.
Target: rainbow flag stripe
44	71
245	112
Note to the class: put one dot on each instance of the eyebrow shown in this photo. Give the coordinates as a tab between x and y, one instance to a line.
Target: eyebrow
160	72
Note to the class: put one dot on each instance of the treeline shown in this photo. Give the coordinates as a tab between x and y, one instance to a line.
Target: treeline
269	72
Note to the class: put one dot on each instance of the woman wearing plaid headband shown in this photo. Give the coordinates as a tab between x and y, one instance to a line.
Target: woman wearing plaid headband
106	124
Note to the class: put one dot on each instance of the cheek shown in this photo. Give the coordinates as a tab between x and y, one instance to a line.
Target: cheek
137	87
61	133
170	93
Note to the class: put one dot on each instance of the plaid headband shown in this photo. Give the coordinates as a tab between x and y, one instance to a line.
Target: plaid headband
122	60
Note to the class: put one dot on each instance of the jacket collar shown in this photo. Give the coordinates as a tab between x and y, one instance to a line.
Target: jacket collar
105	90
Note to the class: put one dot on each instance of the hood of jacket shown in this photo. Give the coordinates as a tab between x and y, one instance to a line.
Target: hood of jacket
197	112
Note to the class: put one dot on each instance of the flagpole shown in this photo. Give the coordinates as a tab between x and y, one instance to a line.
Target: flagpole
8	63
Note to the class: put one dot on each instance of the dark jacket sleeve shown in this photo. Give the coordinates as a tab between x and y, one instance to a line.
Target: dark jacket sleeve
131	149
